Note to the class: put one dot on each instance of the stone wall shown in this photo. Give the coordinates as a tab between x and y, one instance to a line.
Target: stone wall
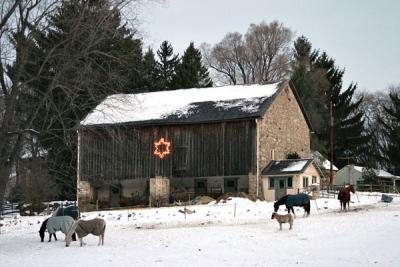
283	129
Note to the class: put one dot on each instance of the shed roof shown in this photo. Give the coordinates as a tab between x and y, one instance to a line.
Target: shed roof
286	167
184	106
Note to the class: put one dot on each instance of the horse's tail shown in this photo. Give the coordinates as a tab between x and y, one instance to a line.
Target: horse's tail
104	227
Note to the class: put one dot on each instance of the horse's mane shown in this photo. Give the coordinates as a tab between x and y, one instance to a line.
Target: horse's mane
282	200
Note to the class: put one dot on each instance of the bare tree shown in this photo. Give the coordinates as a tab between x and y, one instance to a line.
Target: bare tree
16	19
22	106
262	55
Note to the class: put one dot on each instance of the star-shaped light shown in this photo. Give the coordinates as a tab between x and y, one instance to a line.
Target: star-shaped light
162	148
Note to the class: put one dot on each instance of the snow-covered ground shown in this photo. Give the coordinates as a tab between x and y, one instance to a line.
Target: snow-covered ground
236	233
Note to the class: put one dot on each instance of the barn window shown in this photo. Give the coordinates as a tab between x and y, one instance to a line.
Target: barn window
271	182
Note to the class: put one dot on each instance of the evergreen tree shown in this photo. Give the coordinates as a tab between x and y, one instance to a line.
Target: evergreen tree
319	82
391	132
150	72
87	54
191	72
311	85
166	65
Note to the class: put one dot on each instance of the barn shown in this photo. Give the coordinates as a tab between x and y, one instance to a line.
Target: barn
185	143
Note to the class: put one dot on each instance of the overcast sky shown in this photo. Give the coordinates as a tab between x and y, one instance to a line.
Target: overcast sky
363	36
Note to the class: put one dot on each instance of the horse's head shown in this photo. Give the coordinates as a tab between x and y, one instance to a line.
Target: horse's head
276	206
68	239
273	215
70	236
351	188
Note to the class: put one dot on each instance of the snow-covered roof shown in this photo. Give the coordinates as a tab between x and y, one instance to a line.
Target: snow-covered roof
382	173
379	173
185	105
289	166
358	168
322	162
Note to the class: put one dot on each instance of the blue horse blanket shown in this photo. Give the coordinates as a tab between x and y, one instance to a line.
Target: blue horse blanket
297	200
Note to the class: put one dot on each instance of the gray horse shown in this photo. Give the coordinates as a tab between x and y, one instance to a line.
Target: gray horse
54	224
83	228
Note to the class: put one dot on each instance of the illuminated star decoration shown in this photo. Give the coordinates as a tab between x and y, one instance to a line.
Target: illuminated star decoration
162	148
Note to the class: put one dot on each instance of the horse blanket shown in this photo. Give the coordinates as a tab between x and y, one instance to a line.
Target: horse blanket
59	223
297	200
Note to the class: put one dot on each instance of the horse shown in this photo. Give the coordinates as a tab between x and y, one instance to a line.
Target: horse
288	218
54	224
344	197
299	200
82	228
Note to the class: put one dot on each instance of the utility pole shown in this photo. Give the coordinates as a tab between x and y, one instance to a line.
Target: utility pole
331	141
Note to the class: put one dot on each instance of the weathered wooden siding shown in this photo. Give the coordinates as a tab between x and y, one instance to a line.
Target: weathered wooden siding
218	149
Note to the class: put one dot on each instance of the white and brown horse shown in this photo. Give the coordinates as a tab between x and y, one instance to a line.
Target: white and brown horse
82	228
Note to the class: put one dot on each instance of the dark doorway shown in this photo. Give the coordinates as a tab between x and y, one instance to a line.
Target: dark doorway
230	185
280	188
200	186
115	195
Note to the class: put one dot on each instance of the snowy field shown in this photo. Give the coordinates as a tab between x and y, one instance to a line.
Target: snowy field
236	233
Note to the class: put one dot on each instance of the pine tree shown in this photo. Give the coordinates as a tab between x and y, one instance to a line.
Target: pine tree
348	131
191	72
319	82
391	133
150	72
166	65
311	85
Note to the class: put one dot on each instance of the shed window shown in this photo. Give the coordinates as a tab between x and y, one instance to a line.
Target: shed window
290	182
305	181
314	179
271	182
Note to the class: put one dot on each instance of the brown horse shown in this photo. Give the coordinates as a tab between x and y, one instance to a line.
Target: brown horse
344	197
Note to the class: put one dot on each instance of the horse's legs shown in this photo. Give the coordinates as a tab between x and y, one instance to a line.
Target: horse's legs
81	240
294	214
280	226
55	237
